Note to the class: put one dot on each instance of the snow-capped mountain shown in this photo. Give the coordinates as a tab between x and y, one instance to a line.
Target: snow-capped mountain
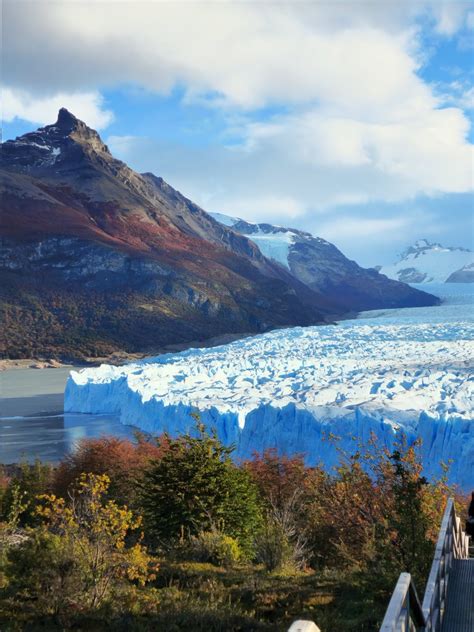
464	275
426	262
322	267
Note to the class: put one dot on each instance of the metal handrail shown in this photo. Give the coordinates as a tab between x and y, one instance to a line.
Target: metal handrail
404	611
452	544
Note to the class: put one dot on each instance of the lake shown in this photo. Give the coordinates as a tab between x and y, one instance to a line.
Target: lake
33	424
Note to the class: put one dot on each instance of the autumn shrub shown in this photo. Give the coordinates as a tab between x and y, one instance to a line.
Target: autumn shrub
4	484
282	483
122	460
213	547
413	509
377	515
79	556
28	481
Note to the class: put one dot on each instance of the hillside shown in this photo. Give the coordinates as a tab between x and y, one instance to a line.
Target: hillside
325	269
97	257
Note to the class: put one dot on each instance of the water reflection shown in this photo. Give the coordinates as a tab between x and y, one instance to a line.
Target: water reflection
50	437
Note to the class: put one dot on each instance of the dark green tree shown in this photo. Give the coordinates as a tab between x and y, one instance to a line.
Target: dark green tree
196	487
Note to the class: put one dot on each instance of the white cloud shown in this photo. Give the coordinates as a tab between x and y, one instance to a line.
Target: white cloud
450	17
247	53
347	227
457	93
267	207
424	151
42	110
360	125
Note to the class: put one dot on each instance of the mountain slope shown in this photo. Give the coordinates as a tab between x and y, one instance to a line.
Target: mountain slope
96	257
427	262
323	268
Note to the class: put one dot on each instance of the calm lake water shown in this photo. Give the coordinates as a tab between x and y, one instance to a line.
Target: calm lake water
32	422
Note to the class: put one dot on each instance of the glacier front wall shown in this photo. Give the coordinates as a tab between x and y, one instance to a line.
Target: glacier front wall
315	390
319	434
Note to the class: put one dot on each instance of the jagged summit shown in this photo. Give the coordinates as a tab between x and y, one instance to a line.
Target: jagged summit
64	144
67	120
423	245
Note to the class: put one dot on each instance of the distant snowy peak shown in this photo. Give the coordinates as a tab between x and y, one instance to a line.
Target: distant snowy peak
323	268
464	275
427	262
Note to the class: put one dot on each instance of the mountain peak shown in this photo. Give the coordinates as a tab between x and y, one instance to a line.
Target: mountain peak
66	142
431	262
423	243
67	120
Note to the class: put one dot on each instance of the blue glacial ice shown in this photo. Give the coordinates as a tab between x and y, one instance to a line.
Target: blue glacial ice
313	390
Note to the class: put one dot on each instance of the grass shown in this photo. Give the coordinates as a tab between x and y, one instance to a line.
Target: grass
206	598
247	598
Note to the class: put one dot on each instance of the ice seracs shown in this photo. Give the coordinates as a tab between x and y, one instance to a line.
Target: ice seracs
298	389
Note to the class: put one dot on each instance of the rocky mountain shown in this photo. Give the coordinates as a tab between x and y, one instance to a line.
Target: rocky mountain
426	262
463	275
96	257
323	268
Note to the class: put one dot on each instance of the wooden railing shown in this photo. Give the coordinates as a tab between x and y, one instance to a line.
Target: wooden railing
404	613
452	544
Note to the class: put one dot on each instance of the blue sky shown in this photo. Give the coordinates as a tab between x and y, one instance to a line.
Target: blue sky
353	121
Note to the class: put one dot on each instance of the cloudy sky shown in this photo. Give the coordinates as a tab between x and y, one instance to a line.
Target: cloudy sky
352	120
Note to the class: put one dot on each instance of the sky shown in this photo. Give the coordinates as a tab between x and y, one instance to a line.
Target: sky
351	120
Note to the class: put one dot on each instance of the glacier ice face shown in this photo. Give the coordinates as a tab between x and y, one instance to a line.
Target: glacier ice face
299	389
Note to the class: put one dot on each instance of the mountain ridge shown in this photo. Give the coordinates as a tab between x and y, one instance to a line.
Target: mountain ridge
323	267
97	257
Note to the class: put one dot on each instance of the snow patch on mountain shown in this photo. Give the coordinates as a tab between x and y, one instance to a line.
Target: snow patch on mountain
427	262
275	246
293	389
274	242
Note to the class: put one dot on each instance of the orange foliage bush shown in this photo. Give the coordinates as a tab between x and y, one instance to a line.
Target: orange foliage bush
122	460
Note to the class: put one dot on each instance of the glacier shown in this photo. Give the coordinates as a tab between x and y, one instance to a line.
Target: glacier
313	390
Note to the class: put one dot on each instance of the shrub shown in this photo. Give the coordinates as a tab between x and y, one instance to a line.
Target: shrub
120	459
213	547
282	481
28	481
78	557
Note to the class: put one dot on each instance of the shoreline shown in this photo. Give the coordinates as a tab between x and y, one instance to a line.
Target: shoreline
117	357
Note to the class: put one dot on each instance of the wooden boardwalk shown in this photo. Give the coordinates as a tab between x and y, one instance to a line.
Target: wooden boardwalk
459	615
448	603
